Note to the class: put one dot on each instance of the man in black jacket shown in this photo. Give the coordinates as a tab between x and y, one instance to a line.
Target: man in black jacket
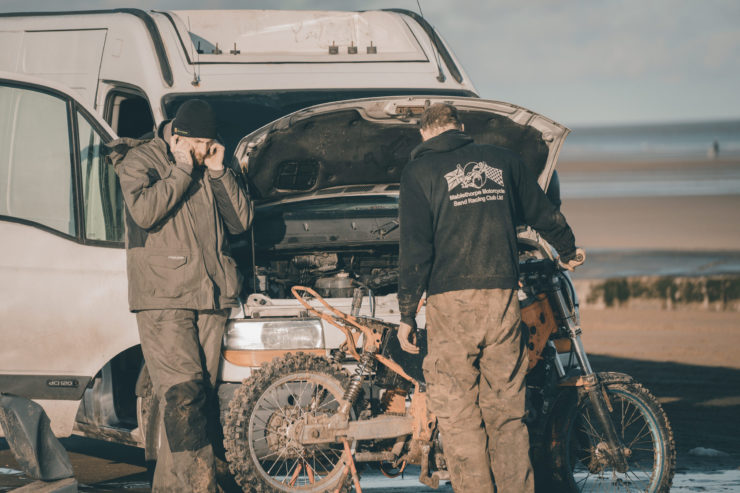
459	204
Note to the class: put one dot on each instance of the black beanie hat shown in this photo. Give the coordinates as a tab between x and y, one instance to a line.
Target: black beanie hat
195	118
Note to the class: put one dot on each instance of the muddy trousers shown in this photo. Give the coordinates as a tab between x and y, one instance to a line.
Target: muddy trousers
182	351
475	374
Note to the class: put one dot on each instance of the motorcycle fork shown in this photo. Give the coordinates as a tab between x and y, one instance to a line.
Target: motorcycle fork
593	387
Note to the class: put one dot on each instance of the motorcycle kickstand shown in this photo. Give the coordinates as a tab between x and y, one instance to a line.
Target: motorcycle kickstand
424	477
349	468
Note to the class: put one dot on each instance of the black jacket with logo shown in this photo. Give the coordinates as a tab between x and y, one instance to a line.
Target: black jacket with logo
460	204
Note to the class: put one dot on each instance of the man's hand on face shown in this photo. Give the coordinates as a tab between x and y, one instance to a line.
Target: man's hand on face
181	149
215	157
404	334
578	259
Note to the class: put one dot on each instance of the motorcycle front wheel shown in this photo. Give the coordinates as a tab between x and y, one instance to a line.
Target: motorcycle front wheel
262	447
580	450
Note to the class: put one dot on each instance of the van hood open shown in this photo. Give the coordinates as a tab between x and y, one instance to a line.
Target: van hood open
368	141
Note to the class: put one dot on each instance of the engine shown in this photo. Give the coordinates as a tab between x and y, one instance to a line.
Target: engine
332	274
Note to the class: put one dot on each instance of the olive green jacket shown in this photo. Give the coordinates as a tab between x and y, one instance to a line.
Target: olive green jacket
176	220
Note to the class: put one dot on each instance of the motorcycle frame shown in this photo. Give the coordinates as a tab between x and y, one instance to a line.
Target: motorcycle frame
419	422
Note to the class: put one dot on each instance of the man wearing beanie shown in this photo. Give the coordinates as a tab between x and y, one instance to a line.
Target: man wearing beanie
180	202
459	205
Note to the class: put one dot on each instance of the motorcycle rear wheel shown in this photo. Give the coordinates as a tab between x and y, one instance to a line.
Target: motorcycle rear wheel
261	449
580	462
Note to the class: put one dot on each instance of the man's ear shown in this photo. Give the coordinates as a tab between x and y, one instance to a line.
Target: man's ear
462	127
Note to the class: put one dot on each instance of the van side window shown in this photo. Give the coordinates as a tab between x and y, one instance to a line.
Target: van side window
100	190
128	114
36	159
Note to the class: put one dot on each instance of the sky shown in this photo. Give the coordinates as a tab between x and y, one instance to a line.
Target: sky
579	62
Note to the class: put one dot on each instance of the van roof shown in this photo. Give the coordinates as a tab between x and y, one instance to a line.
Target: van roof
287	36
275	36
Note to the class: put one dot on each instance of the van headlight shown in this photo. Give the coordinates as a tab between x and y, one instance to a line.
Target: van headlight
274	334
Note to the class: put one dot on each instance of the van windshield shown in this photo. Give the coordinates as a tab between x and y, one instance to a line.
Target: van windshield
240	113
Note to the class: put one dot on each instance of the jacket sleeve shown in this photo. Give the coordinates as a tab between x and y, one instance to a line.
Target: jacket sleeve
149	196
540	213
416	246
232	201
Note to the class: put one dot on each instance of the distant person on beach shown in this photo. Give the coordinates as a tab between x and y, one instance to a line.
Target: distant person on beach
713	152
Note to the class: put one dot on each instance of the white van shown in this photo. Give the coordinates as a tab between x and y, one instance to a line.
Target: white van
73	81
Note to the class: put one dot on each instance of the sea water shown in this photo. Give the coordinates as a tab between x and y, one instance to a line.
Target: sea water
700	140
712	147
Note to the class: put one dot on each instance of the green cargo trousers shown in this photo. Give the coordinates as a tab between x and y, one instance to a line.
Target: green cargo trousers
182	352
475	373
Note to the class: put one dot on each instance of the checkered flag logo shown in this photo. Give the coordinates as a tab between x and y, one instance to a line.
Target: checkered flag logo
494	174
473	175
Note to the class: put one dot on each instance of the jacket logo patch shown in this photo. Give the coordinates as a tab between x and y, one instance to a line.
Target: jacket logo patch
475	176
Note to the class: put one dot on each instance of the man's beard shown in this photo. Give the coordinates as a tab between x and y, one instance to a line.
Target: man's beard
199	159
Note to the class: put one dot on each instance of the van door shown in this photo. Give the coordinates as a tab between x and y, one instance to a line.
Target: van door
62	263
70	57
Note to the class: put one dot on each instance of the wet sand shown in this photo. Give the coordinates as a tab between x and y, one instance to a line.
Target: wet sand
682	222
704	223
687	359
707	165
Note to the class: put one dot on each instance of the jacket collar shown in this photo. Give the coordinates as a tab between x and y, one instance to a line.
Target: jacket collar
444	142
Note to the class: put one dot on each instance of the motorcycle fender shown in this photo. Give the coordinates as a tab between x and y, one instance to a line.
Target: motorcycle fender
603	377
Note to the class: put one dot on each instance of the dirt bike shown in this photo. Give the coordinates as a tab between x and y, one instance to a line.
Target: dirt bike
304	422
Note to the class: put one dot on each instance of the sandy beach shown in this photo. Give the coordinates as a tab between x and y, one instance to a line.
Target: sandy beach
708	165
688	359
662	223
707	222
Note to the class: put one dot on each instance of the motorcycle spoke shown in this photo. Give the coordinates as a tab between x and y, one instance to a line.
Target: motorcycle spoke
314	466
268	432
583	482
624	428
637	477
327	402
277	407
296	403
633	417
593	433
306	385
641	434
328	459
